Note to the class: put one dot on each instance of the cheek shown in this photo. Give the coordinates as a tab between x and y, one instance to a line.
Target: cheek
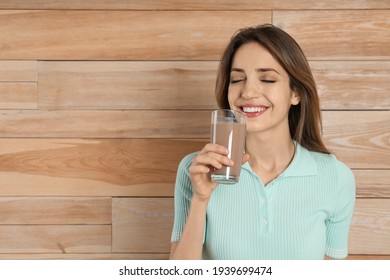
232	97
284	98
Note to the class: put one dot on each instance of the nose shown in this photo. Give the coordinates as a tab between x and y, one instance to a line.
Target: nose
249	91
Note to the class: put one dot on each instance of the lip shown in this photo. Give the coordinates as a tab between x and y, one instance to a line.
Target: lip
253	110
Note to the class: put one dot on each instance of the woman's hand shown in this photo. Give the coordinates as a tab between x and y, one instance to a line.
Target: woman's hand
212	156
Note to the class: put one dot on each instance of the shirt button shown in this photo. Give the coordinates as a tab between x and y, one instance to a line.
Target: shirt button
263	201
265	222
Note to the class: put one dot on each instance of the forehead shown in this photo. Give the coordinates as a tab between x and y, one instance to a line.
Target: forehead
252	56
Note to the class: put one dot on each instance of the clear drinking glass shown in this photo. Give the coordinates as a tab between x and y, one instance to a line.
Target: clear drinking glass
228	128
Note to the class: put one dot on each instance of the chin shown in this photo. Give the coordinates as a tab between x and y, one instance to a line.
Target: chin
254	129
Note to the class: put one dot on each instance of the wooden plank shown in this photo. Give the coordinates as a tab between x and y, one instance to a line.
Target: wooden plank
370	228
114	167
348	85
363	85
55	239
193	4
356	125
120	35
331	35
368	257
118	256
148	220
76	167
18	71
104	124
18	87
98	256
127	85
142	224
29	160
359	138
55	210
18	95
372	183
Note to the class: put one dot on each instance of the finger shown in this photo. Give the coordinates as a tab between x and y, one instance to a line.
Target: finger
196	169
215	148
212	159
245	158
206	160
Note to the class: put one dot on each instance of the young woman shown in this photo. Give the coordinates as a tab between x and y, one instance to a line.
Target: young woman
294	200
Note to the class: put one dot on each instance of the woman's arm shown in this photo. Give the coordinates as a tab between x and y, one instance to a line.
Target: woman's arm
191	242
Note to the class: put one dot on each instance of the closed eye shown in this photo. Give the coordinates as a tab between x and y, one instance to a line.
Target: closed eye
235	81
268	81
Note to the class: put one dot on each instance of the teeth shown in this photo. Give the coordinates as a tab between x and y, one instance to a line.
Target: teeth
253	109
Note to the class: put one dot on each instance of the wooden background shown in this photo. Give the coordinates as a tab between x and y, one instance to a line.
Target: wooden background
99	101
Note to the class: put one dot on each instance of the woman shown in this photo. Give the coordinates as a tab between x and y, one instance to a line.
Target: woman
294	199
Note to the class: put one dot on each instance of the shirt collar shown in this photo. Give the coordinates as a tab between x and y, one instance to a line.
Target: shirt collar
303	164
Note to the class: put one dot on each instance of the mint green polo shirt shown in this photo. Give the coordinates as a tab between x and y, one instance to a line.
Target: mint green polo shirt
304	213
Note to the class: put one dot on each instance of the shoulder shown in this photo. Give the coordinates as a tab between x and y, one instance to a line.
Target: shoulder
345	177
328	165
329	161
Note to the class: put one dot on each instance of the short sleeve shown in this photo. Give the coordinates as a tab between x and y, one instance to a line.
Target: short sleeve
338	224
183	195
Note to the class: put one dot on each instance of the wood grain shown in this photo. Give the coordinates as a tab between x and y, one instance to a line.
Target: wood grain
77	167
104	124
86	256
359	138
368	257
372	183
55	239
337	35
127	85
193	4
133	256
357	126
149	221
18	95
370	229
18	71
55	210
190	84
100	100
120	35
353	85
141	224
116	35
114	167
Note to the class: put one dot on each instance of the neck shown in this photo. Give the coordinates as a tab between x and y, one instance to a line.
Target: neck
269	154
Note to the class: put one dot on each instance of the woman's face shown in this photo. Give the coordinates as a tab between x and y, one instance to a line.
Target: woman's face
260	87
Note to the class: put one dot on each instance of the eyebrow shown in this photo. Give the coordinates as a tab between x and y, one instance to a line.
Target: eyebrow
257	70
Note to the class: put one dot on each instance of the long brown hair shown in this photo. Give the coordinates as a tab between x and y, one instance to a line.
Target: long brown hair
304	119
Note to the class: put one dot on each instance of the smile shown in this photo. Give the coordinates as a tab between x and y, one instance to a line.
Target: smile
252	111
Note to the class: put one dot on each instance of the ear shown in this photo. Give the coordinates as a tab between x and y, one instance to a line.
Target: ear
295	98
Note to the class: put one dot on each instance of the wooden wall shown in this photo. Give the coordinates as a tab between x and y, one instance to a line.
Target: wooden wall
99	101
